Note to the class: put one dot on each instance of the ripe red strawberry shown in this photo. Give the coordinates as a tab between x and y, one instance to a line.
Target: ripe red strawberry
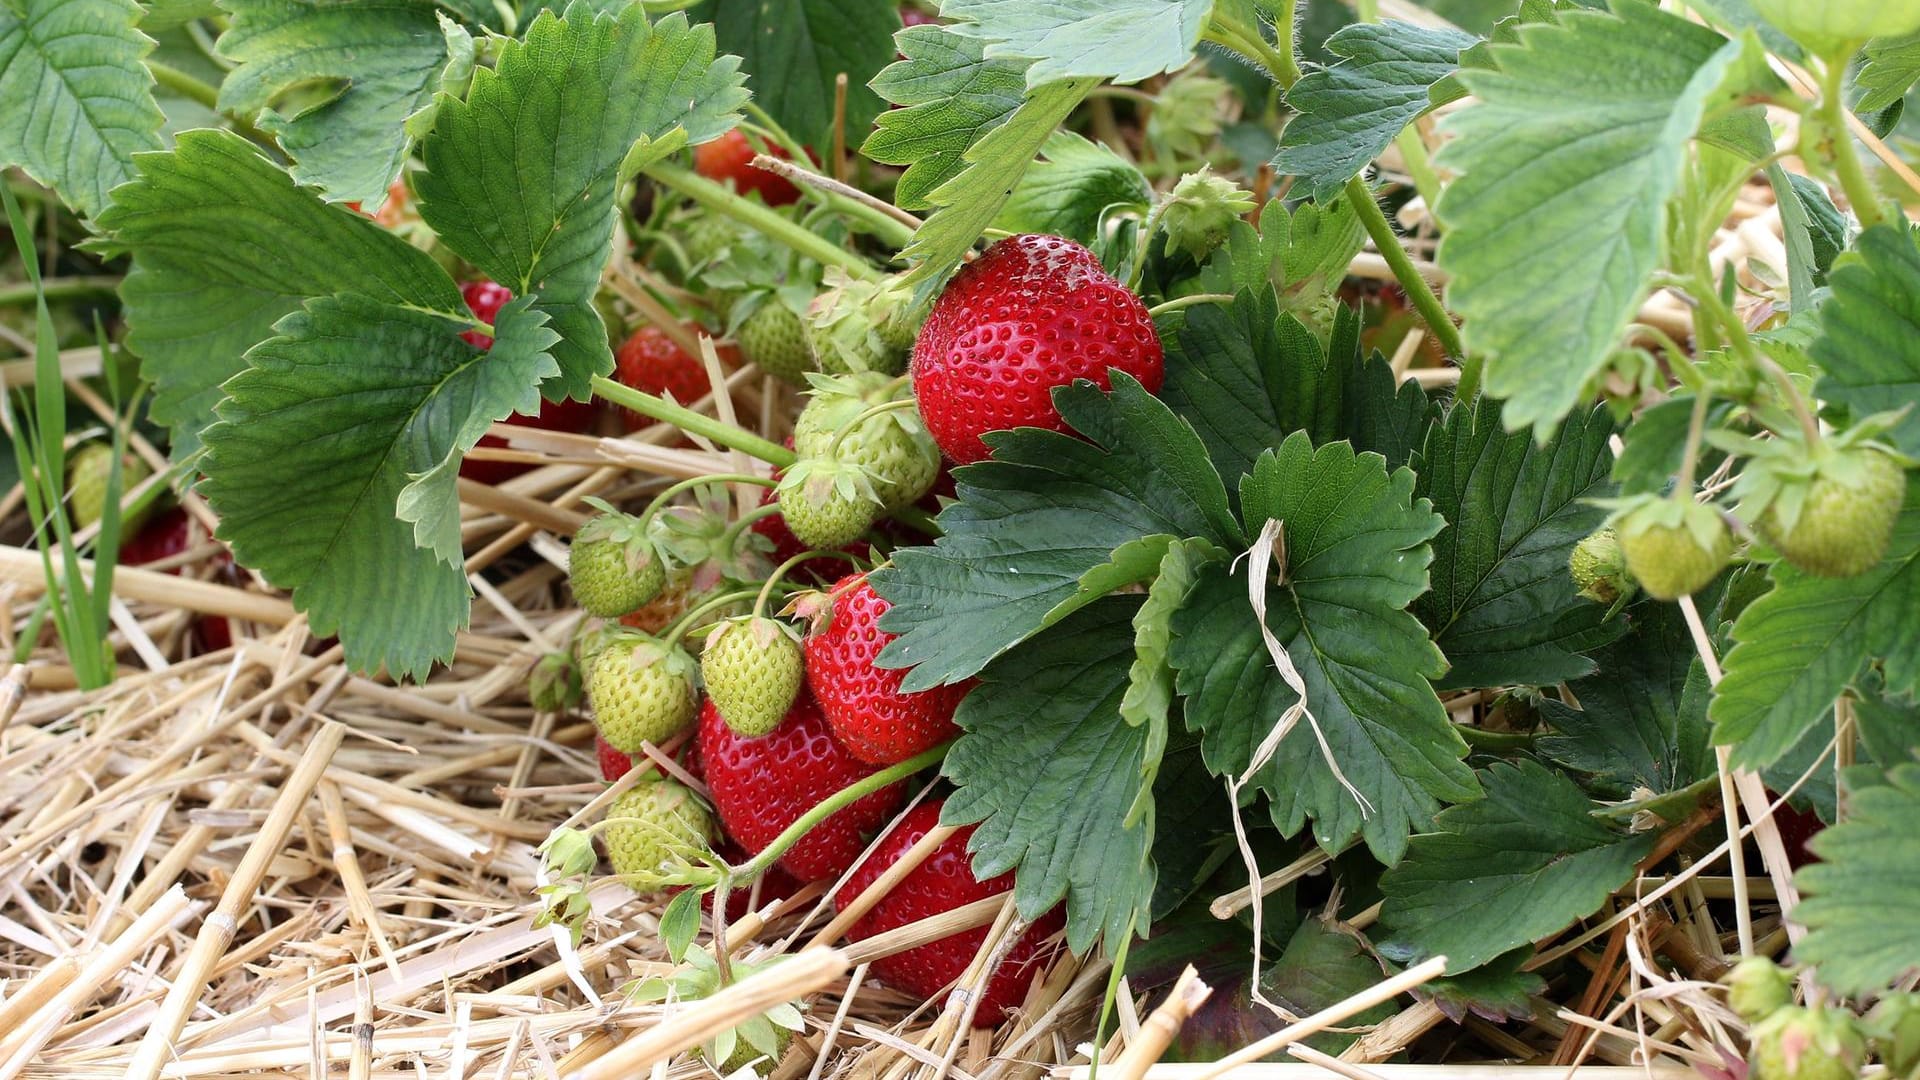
613	763
168	535
761	786
863	703
728	158
913	16
1031	314
943	882
484	299
651	362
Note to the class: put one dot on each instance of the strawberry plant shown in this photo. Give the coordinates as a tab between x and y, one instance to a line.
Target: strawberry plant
1217	587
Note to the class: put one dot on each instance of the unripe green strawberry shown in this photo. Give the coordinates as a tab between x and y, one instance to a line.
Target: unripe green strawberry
1806	1043
641	691
705	236
753	668
1837	524
894	448
758	1041
856	325
87	470
1599	568
1895	1026
1674	547
827	504
613	567
745	1053
1757	988
657	825
774	338
554	685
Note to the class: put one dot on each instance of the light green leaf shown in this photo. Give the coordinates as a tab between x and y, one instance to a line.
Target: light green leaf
950	97
521	174
1869	344
1892	67
1506	870
1349	113
1503	607
208	224
1031	522
165	14
1048	769
1070	192
351	404
379	62
792	50
78	102
1858	906
1567	160
1799	645
1122	40
1356	557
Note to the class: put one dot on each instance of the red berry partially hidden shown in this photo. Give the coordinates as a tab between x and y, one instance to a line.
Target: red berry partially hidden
484	299
863	703
761	786
729	157
943	882
168	535
1031	314
613	763
651	362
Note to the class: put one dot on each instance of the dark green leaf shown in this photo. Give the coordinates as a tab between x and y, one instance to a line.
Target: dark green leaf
680	923
950	97
1194	829
1890	727
1122	40
792	50
1826	225
1324	965
1869	345
1497	990
1858	906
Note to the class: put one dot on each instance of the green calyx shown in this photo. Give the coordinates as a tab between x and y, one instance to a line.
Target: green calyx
861	326
1673	546
1757	988
642	691
827	503
1807	1043
613	566
1200	210
758	1041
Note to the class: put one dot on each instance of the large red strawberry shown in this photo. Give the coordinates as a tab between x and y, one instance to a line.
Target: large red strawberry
1030	314
761	786
863	703
943	882
485	299
729	158
653	363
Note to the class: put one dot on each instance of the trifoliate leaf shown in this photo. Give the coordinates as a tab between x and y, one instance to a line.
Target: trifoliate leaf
1892	67
1122	40
1567	159
521	173
1503	607
380	61
79	102
1031	522
792	51
1506	870
1497	990
356	401
1324	965
1869	344
1048	769
1799	645
1349	113
1356	557
1858	905
1070	192
208	224
950	97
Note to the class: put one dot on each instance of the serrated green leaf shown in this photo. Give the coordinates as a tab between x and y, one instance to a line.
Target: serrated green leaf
521	174
1858	905
1497	990
1892	67
1889	727
208	224
1312	247
792	50
1122	40
1324	965
1506	870
950	97
1070	192
1503	607
1048	769
1799	645
380	60
1349	113
1656	442
1567	160
1150	682
1869	344
1028	524
353	402
1356	557
164	14
79	102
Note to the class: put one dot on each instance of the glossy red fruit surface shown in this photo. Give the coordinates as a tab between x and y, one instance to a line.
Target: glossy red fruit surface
726	160
613	763
863	703
653	363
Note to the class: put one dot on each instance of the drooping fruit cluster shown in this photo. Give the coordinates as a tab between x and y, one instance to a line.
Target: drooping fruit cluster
863	702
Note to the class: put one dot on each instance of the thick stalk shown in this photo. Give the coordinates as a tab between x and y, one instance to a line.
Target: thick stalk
694	423
1846	163
1418	291
60	289
833	804
721	201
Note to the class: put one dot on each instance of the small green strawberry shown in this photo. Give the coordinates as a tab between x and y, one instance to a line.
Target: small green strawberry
1199	212
613	566
892	446
856	325
705	237
1757	988
1674	547
87	470
1894	1024
1838	522
1599	568
554	685
641	691
658	826
774	339
827	504
1806	1043
753	668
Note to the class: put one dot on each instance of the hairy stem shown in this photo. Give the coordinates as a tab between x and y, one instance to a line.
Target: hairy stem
1439	323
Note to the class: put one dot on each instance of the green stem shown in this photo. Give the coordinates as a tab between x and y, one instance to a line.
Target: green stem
1696	430
1418	291
781	571
660	500
1147	229
1493	741
721	201
198	90
732	536
686	622
834	803
1743	346
1413	150
1846	163
1195	300
1279	60
833	447
694	423
60	289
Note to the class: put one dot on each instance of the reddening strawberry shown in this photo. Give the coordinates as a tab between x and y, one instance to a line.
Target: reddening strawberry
613	763
653	363
1030	314
484	299
1806	1042
729	159
942	883
761	786
863	703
